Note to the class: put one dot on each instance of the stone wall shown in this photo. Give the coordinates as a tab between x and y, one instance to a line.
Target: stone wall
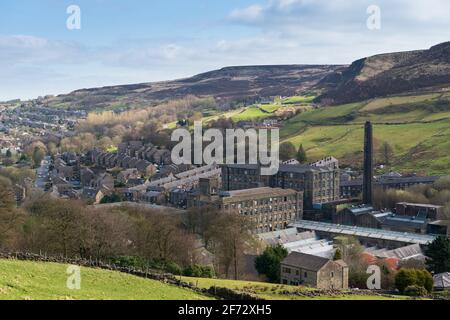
217	292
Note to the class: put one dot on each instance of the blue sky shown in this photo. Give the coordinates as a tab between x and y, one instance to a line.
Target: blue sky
148	40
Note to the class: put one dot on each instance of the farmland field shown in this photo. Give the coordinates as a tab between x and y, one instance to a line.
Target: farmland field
24	280
418	131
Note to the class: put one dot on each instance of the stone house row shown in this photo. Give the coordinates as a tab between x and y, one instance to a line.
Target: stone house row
161	190
147	152
112	160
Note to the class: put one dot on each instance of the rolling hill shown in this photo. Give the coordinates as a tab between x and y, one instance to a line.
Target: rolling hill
24	280
227	84
372	77
406	96
389	74
417	127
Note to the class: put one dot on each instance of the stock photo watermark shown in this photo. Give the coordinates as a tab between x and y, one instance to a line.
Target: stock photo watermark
235	141
374	20
73	277
73	22
374	280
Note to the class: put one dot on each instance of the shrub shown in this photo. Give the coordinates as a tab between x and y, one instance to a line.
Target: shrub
415	291
404	279
357	278
130	262
425	279
173	268
198	271
413	277
337	255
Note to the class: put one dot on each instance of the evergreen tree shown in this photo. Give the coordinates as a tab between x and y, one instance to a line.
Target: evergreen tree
438	255
337	254
301	155
269	262
287	151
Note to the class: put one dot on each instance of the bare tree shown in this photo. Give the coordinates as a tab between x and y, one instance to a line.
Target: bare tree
55	226
386	153
230	236
10	216
198	220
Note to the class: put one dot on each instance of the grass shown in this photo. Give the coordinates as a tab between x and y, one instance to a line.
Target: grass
299	99
417	127
24	280
270	108
250	113
392	101
112	149
271	291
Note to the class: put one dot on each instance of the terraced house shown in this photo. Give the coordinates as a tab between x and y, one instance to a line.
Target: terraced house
319	184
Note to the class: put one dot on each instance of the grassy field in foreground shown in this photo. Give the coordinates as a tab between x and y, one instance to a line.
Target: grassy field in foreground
24	280
271	291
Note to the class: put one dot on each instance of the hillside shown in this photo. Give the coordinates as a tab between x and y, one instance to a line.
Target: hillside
417	127
23	280
389	74
231	83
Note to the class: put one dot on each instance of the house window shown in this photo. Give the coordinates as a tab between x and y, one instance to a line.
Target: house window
287	270
332	274
306	275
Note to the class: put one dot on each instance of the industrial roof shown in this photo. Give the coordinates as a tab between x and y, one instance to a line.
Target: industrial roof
442	281
365	232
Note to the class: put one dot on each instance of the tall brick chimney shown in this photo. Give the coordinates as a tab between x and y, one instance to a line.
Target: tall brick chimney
368	164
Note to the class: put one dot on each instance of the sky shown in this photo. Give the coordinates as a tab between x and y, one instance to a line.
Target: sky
134	41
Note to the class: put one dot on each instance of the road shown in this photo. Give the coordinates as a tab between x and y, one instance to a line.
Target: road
43	173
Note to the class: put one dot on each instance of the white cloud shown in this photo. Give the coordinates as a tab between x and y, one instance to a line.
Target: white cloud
428	10
336	30
250	14
20	49
276	32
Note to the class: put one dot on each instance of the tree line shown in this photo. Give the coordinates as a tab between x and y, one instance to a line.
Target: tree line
125	234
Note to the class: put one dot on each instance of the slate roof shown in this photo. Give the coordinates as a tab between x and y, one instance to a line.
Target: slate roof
442	281
283	168
403	253
305	261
